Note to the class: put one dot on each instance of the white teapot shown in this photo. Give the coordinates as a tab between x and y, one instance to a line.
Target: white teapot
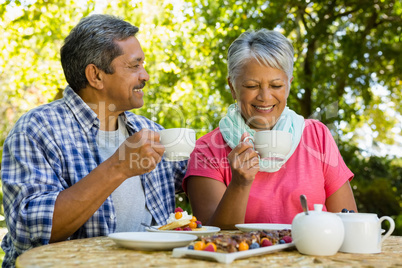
318	232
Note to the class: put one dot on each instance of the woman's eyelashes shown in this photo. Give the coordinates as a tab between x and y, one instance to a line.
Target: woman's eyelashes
251	86
258	86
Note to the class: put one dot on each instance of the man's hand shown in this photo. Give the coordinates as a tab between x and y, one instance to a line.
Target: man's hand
244	162
139	153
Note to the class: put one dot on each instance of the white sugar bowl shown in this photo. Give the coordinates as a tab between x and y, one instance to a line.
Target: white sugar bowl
318	233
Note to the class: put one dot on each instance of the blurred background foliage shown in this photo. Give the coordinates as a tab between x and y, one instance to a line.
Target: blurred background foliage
348	65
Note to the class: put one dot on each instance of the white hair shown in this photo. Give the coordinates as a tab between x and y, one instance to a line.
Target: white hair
269	48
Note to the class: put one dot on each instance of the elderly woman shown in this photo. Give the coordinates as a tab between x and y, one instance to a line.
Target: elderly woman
226	181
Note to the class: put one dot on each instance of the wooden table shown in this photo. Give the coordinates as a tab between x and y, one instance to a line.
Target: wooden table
103	252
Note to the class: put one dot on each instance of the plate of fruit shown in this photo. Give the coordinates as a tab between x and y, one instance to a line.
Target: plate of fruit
181	221
225	248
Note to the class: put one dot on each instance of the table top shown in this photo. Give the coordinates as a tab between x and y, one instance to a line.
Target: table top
103	252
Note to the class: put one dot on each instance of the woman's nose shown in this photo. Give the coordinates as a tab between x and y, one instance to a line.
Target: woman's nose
264	94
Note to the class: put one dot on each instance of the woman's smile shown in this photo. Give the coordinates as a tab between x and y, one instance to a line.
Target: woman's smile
264	109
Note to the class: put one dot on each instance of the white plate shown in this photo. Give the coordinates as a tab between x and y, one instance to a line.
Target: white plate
210	230
227	257
151	241
247	227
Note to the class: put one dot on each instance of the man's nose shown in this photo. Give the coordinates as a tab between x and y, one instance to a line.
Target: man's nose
144	76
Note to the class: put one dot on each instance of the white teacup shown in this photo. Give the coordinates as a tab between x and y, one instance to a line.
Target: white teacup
272	143
363	232
178	142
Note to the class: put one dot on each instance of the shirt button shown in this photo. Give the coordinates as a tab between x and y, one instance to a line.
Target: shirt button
112	217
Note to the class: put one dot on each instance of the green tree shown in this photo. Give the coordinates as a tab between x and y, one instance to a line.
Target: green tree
343	50
30	69
377	185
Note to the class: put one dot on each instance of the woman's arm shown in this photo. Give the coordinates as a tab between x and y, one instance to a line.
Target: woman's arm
215	204
342	198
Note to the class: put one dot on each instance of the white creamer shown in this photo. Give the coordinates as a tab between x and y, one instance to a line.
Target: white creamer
363	232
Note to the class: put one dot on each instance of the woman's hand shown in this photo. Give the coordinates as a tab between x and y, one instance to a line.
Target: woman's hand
244	162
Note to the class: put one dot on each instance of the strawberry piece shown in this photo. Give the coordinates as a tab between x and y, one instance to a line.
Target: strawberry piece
266	243
287	239
178	209
209	248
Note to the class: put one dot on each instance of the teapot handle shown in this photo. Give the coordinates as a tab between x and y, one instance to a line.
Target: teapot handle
391	227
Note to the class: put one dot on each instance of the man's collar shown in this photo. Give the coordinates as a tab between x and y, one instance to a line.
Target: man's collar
86	116
83	113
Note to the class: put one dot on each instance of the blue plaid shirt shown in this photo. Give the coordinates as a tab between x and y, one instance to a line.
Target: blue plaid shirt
51	148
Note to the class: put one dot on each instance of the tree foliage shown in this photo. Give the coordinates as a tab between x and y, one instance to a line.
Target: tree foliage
348	61
377	184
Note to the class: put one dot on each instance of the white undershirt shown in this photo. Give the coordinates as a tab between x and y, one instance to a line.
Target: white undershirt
129	197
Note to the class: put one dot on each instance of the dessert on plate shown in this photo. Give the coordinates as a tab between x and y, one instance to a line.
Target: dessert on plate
181	221
228	243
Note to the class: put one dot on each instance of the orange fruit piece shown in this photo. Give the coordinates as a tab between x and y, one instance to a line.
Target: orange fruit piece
243	246
193	218
178	215
192	225
200	245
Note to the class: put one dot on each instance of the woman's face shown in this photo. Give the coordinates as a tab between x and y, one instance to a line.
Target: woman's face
261	93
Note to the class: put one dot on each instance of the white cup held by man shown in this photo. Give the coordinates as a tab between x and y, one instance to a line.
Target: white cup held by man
363	232
179	143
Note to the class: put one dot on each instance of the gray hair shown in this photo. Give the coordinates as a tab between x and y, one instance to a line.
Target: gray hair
269	48
92	41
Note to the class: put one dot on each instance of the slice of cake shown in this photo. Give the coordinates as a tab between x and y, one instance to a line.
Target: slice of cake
181	221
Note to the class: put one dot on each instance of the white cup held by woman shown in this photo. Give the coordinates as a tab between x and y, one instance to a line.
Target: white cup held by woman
272	143
272	146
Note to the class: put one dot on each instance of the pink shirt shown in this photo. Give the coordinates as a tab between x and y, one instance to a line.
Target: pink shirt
316	169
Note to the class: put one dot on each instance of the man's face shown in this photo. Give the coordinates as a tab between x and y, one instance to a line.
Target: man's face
123	88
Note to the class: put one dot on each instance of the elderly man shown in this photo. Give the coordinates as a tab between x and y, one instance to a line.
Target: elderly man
84	166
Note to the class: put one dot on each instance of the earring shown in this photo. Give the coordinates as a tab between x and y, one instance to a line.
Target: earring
237	106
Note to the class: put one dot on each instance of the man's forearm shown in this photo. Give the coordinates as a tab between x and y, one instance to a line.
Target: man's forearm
75	205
